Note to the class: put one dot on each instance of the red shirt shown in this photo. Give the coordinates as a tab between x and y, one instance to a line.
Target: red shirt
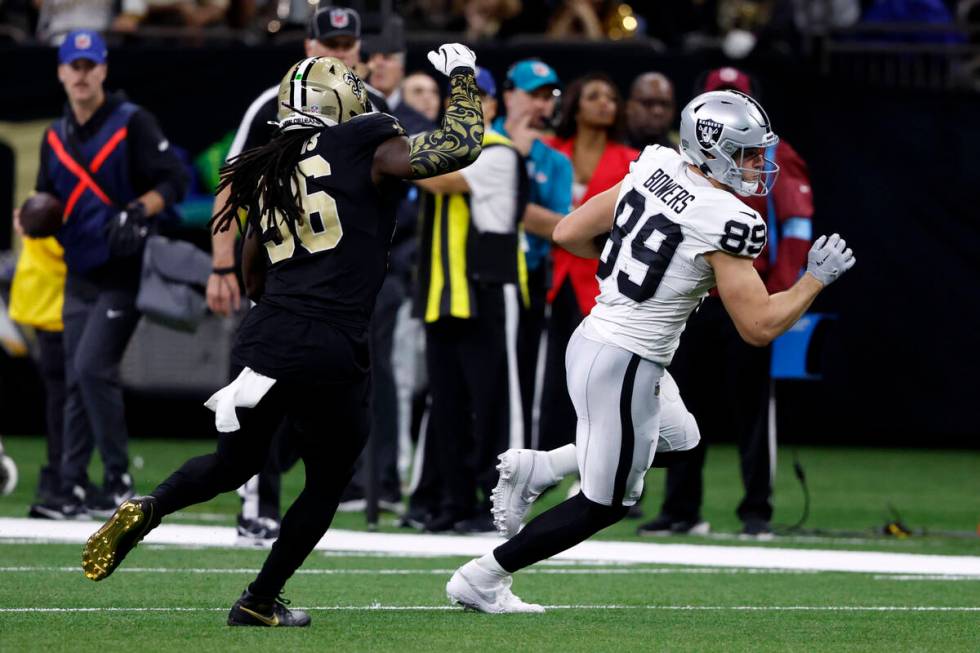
613	166
792	202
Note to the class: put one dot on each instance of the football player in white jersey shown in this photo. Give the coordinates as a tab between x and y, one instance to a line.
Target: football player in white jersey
675	230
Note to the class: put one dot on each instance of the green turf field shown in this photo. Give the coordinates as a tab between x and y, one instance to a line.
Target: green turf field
935	491
171	598
399	604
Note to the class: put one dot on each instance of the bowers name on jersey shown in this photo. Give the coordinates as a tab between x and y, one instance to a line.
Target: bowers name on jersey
652	272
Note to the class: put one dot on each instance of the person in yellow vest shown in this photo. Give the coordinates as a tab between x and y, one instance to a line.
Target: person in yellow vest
472	281
36	297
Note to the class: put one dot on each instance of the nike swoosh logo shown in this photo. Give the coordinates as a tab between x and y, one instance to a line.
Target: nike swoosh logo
268	621
488	597
113	314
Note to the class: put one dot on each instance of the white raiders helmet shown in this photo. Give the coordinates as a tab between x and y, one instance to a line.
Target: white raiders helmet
716	130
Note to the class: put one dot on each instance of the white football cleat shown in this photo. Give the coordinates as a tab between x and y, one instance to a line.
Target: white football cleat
492	597
524	475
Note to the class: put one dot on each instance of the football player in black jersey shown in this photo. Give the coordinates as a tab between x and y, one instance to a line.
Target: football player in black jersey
319	200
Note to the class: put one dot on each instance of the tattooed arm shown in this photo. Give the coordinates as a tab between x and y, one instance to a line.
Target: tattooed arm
458	140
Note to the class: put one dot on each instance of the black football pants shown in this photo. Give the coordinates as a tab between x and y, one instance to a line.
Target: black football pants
98	325
529	331
725	383
558	420
51	362
470	409
328	425
384	393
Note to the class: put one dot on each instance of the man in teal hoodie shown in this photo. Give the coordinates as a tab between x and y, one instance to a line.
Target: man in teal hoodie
530	92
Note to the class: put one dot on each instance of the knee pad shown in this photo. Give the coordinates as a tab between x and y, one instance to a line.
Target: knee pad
691	438
692	434
597	513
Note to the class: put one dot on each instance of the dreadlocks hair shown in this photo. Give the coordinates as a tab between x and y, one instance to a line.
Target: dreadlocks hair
261	182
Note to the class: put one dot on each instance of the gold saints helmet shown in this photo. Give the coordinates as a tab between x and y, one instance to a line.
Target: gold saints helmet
320	90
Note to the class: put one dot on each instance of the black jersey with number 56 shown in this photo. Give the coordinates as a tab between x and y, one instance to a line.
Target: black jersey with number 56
331	266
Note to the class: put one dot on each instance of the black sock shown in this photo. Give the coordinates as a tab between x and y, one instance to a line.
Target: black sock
570	522
256	597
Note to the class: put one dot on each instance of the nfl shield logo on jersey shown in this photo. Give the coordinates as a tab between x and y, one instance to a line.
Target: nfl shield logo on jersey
708	132
339	18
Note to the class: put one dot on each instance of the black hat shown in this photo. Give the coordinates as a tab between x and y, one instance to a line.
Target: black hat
329	21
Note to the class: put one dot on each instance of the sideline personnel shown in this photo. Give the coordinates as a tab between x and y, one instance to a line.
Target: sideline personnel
110	164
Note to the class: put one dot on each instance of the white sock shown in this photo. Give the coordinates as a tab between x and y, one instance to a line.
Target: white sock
489	565
563	461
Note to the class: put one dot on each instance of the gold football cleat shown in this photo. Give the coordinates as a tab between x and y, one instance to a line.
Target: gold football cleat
109	545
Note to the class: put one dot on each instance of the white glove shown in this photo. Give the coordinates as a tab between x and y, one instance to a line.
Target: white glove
829	258
451	56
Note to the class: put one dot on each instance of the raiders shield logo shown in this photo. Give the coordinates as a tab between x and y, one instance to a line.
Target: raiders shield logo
708	132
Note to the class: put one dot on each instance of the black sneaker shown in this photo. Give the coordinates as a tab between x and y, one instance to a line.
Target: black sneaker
698	527
110	544
391	503
440	523
120	489
261	531
58	510
756	528
665	525
102	503
251	610
659	526
635	511
352	500
474	525
415	518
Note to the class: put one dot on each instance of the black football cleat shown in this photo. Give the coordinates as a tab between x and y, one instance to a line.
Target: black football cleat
110	544
251	610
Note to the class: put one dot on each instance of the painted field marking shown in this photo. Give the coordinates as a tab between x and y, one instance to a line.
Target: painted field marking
415	545
584	571
440	608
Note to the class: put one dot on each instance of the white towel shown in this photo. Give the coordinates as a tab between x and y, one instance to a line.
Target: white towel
244	392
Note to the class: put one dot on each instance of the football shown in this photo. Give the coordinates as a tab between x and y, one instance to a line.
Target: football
41	215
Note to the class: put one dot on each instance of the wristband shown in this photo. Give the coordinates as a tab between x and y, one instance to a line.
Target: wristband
227	270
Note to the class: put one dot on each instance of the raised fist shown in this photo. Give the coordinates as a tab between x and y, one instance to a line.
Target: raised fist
451	56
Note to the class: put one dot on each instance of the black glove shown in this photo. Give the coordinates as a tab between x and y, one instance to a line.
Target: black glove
127	230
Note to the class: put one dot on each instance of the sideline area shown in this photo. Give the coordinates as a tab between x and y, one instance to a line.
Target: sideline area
593	551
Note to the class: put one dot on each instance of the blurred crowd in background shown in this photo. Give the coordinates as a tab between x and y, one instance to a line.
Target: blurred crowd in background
738	25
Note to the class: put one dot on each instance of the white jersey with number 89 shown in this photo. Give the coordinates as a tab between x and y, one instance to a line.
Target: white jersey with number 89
652	272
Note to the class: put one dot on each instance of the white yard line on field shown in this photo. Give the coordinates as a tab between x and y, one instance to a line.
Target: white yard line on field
409	545
439	608
923	577
580	569
584	571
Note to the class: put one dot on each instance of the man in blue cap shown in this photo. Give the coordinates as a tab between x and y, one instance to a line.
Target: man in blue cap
530	94
108	162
